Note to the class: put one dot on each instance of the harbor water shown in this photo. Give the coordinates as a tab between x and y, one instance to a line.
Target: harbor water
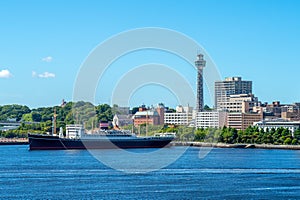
221	174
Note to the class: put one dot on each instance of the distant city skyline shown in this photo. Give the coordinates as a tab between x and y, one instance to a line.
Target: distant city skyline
42	47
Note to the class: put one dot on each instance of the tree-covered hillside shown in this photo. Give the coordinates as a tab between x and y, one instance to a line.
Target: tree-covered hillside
80	112
13	112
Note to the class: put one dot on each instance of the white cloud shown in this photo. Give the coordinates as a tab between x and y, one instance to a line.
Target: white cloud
46	75
47	59
5	73
43	75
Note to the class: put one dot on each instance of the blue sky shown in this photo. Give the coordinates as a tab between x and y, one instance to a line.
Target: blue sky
44	43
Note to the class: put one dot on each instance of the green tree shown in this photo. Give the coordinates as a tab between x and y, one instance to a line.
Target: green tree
228	135
207	108
27	117
36	117
104	112
288	140
13	111
200	135
297	134
294	141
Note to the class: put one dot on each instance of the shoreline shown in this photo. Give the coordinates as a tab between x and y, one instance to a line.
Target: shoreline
240	146
24	141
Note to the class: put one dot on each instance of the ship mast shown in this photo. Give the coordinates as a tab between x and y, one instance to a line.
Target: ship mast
147	118
54	122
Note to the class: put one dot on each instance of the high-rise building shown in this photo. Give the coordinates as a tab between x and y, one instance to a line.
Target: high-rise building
200	64
231	85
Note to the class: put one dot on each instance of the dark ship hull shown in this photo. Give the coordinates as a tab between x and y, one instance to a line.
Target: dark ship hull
47	142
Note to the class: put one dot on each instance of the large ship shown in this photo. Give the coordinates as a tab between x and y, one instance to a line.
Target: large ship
77	138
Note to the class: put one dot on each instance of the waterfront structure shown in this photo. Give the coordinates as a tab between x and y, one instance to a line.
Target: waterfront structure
278	123
182	116
241	121
149	116
239	103
230	86
146	117
200	64
211	119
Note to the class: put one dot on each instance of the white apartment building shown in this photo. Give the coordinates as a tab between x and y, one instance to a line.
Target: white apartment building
182	116
211	119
